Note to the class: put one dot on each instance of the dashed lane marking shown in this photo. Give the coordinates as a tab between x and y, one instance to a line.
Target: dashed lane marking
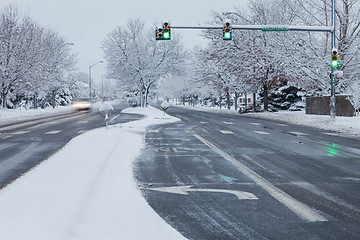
154	130
257	124
85	121
331	134
299	133
226	132
204	122
228	123
261	132
20	132
53	132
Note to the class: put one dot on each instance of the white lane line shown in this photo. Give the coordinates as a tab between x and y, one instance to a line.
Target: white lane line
20	132
115	117
299	133
228	123
204	122
226	132
300	209
257	124
261	132
53	132
85	121
331	134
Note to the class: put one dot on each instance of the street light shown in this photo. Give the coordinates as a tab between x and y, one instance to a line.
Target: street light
90	77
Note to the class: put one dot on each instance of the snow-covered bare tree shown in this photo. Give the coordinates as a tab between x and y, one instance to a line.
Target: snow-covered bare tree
32	59
134	57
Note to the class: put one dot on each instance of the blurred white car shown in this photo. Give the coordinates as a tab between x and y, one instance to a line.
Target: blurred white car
82	104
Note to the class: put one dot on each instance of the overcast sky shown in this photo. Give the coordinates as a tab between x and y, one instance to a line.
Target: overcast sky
86	22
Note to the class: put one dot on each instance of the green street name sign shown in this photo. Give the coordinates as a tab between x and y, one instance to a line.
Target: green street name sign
274	29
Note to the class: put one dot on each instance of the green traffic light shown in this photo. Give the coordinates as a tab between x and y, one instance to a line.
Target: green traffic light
334	63
166	35
227	35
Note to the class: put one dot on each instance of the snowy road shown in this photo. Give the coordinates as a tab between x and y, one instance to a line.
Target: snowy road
24	144
299	182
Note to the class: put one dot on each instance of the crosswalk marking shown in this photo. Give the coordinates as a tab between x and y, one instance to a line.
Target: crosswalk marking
53	132
261	132
226	132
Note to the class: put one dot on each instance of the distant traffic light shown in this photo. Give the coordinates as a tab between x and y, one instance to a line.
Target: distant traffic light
227	31
334	58
166	31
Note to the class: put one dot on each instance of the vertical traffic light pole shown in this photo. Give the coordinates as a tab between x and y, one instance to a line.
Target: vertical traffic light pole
333	66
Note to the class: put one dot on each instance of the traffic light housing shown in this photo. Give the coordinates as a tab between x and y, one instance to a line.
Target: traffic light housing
166	31
159	33
334	58
227	31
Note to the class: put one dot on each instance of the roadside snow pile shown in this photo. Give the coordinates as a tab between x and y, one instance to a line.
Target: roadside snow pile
347	125
86	191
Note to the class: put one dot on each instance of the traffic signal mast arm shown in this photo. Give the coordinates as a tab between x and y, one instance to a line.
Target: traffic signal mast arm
263	28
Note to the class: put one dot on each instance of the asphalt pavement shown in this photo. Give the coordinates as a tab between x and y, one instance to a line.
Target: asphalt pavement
25	144
222	176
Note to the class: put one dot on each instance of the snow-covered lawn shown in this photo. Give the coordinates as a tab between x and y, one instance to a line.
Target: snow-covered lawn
86	190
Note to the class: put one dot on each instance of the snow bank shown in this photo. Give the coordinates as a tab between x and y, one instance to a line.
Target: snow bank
86	191
9	115
347	125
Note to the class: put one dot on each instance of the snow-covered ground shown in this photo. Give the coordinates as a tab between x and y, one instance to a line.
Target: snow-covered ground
349	126
86	191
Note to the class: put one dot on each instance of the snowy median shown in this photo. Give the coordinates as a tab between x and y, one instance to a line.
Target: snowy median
87	190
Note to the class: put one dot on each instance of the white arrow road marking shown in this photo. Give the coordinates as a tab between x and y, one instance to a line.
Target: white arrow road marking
184	190
300	209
